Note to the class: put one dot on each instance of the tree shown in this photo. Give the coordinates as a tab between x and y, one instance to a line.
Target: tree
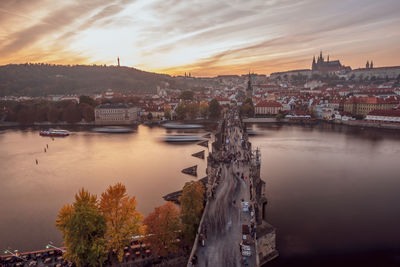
247	108
193	110
87	112
180	111
215	109
71	113
204	110
150	116
122	219
53	114
87	100
83	228
162	229
167	112
192	200
187	95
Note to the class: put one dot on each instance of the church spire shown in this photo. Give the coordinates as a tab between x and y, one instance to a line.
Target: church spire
371	65
367	65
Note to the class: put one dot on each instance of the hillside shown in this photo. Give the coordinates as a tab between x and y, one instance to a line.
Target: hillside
45	79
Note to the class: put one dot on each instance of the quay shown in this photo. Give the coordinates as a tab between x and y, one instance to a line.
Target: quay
233	230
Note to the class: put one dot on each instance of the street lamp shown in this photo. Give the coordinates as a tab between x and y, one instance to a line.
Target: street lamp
15	253
50	245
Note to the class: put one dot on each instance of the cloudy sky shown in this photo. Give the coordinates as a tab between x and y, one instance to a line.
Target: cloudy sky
204	37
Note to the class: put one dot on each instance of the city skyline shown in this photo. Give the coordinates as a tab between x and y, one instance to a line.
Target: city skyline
203	38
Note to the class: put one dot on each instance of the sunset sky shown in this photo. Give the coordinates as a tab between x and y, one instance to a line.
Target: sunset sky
204	37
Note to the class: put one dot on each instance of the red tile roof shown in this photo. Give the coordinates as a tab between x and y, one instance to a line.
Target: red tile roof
272	104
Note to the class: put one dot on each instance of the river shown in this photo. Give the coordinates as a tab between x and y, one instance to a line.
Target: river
333	191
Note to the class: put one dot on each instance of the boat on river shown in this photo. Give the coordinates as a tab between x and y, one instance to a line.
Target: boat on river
183	138
54	133
182	126
112	130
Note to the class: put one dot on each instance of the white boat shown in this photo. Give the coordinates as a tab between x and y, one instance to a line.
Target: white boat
54	132
112	130
182	126
183	138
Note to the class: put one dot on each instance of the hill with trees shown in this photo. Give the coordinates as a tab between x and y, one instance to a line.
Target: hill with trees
45	79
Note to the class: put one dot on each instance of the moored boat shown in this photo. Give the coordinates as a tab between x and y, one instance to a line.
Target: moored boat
182	126
112	129
54	132
183	138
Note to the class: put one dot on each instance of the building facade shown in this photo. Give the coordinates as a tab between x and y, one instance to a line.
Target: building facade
364	105
267	108
116	114
392	115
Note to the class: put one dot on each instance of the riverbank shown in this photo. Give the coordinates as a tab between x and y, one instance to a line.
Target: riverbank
353	123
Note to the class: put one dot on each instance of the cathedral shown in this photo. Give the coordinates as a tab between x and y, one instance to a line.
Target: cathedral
327	66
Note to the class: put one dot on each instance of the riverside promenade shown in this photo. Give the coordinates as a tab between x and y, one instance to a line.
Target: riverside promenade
227	232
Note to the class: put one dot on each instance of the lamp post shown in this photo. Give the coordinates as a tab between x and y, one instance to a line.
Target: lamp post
15	253
50	245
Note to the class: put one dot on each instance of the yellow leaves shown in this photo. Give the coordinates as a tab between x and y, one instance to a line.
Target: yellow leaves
191	208
122	219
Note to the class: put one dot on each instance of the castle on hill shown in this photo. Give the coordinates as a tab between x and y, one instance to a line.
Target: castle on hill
327	66
323	67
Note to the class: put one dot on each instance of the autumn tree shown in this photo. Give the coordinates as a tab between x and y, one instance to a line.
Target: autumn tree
167	112
192	203
193	110
204	109
83	228
215	109
122	219
247	108
180	111
162	228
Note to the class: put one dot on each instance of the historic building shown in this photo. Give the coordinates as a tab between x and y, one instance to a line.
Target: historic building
116	114
331	67
267	108
364	105
249	90
391	115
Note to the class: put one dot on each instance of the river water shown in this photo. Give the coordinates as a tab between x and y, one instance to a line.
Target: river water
334	192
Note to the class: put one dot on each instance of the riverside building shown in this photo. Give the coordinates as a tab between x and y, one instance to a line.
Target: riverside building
116	114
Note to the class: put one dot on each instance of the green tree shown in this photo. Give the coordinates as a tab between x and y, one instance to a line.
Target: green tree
180	111
192	200
83	228
215	109
187	95
122	219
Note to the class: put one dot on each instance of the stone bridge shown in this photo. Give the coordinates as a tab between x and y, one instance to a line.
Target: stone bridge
233	230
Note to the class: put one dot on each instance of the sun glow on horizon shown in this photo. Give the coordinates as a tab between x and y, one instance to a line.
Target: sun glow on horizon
205	38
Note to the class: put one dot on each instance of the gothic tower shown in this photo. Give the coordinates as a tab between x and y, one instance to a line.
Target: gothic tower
249	91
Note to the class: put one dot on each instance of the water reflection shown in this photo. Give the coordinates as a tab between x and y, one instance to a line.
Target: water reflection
31	194
333	193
